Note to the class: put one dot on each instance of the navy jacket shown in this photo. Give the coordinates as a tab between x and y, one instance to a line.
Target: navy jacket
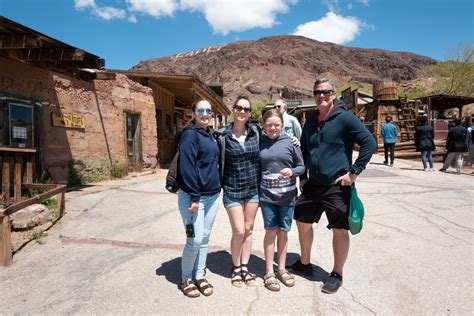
328	152
456	141
424	138
198	163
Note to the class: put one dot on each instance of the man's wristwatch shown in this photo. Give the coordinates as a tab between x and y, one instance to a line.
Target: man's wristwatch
353	171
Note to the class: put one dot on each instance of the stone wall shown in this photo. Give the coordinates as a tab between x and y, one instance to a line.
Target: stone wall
102	103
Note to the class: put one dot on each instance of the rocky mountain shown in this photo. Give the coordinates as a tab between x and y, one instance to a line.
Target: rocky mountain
287	64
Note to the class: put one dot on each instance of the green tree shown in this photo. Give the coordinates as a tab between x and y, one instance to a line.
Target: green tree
456	76
257	109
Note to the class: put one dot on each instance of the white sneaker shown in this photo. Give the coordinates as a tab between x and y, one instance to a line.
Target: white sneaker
432	170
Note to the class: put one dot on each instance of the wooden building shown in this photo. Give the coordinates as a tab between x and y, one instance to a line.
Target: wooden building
174	95
60	110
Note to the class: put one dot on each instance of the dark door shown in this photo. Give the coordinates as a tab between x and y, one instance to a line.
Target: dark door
133	135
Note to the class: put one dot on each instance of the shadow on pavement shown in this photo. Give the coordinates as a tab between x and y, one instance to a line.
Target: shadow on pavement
318	275
220	263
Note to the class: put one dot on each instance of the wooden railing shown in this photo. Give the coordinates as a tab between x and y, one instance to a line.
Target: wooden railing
5	229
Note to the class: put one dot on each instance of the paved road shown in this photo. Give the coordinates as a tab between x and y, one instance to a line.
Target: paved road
118	251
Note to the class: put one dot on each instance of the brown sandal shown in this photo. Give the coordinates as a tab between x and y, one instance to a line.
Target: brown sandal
188	287
271	282
206	289
285	277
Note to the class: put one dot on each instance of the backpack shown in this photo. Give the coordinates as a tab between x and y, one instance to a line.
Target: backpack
172	184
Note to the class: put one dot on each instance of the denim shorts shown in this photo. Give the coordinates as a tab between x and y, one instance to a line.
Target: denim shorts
233	202
277	216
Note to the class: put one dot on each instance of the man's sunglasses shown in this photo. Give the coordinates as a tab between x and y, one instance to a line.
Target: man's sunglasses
240	109
325	93
202	111
277	106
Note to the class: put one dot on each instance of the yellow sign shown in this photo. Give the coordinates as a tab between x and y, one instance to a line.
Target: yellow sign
67	120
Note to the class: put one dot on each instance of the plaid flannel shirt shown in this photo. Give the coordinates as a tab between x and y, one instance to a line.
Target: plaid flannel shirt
242	166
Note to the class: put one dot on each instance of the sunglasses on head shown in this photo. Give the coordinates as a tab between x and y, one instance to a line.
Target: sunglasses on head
325	93
202	111
239	108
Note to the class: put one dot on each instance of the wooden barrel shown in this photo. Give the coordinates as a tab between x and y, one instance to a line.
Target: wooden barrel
385	90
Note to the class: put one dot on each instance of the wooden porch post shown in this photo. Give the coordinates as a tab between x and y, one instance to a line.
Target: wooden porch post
17	182
5	180
5	241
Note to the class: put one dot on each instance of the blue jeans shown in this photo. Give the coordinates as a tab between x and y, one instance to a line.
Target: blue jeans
423	158
193	261
277	216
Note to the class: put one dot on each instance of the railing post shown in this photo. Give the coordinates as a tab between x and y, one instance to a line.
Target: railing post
5	241
61	199
17	182
5	180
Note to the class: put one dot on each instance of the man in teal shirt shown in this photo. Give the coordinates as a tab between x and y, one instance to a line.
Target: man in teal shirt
389	133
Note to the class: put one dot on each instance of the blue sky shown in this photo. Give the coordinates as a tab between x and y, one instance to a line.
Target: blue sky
125	32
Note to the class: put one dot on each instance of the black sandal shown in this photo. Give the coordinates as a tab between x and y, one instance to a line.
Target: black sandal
248	277
202	288
187	287
236	276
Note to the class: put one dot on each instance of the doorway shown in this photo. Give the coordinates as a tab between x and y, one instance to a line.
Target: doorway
133	136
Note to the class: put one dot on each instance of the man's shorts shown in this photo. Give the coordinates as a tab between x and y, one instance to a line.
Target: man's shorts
233	202
316	199
277	216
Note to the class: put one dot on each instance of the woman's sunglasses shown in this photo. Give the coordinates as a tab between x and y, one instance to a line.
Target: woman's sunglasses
202	111
240	109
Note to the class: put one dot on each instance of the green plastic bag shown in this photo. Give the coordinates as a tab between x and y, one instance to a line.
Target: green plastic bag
356	212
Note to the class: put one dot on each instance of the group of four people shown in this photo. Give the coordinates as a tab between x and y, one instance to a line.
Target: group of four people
259	168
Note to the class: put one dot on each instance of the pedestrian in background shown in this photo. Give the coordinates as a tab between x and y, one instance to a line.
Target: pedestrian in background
198	177
291	126
389	134
424	141
456	146
281	162
470	143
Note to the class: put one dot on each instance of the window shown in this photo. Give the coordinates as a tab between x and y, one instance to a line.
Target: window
16	124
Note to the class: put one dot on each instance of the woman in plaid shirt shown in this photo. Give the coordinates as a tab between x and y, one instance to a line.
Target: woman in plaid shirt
240	170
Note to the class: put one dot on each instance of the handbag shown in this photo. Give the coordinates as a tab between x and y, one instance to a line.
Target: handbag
356	212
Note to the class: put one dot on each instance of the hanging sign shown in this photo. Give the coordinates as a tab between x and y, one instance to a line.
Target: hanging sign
67	120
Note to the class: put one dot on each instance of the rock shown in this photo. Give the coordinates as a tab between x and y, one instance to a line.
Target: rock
31	216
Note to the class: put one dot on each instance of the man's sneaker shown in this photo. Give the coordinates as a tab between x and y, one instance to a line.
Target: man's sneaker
391	165
385	162
301	269
442	170
332	284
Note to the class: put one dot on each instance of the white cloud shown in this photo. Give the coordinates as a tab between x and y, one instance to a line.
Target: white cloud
106	13
82	4
226	16
331	28
364	2
155	8
332	5
132	19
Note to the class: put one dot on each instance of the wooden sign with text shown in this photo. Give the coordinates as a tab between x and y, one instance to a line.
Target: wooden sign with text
67	120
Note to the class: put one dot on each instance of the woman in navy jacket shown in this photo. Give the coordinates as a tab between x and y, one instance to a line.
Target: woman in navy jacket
199	181
424	141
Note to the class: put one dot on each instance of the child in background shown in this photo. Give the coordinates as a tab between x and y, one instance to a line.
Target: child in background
281	162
